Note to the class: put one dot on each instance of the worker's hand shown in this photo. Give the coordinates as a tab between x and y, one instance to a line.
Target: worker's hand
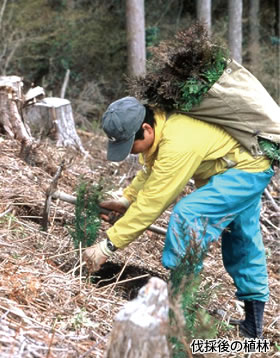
95	256
116	207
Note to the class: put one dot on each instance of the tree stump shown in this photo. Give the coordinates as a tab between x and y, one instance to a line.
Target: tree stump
141	327
10	107
53	117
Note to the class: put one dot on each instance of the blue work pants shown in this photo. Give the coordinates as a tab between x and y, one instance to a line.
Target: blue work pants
231	201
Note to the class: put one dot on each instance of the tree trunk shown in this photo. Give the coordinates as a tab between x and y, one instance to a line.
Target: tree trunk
135	25
235	29
141	327
203	13
53	117
254	35
277	47
277	19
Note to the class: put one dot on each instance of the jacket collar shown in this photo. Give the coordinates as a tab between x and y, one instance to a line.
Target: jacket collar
147	158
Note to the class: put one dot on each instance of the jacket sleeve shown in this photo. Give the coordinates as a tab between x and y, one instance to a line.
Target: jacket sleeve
131	191
175	165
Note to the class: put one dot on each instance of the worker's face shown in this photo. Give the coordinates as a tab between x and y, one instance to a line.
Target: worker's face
142	145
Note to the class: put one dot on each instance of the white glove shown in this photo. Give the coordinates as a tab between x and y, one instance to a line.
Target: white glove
95	256
124	201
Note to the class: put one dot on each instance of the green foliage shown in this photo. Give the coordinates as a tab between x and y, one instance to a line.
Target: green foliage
152	38
87	220
188	320
54	36
80	320
277	346
270	149
194	89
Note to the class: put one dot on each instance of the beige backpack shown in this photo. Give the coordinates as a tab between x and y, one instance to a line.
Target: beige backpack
241	105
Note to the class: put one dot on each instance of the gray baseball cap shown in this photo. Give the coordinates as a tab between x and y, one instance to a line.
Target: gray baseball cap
120	122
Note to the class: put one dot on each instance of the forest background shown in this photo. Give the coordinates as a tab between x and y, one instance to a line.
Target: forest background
41	39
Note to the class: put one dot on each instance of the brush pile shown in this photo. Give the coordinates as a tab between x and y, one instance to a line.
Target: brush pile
49	305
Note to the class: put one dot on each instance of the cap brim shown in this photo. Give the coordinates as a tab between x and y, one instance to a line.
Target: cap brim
118	151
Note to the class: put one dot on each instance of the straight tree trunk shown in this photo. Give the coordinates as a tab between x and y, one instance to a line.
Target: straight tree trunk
254	35
203	13
277	18
235	29
277	56
135	26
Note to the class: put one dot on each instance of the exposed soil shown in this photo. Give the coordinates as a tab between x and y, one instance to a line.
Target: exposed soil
49	305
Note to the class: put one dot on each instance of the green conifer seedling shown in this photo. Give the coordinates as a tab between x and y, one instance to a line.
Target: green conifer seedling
87	221
188	320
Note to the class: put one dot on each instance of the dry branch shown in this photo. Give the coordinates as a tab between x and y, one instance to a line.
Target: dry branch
65	83
272	201
49	193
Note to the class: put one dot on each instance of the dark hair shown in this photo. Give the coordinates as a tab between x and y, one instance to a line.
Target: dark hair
150	119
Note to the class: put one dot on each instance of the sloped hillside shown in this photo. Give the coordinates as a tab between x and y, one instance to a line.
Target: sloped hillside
49	306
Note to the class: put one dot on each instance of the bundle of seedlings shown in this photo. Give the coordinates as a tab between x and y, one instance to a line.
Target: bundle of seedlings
194	75
180	71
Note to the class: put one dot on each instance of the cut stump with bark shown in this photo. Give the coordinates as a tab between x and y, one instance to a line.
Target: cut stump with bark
140	329
53	117
10	109
26	117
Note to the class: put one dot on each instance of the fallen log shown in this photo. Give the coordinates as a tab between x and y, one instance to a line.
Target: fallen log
141	327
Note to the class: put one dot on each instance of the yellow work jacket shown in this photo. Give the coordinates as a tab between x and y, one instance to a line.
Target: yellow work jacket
183	148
